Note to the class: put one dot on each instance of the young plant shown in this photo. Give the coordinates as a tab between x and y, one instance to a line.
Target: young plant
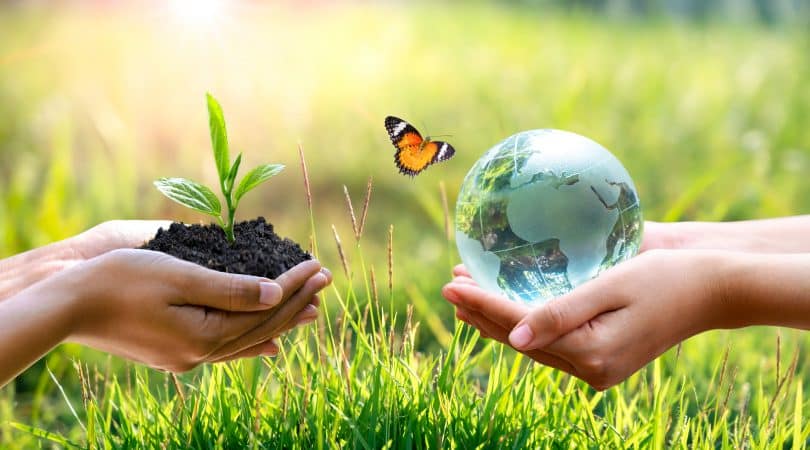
200	198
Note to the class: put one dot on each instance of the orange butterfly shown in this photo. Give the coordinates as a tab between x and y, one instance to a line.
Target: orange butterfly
414	153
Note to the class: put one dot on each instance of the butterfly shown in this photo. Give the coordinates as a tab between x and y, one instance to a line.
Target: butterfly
414	153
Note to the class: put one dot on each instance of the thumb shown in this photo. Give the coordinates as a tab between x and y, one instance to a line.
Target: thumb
547	322
226	291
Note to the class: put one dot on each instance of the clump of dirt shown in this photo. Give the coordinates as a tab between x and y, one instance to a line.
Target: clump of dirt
257	250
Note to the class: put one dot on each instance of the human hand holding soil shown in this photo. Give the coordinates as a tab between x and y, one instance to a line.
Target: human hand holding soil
156	309
172	314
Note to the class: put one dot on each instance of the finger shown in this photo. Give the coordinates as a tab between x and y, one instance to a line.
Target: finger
267	348
547	322
327	273
133	233
307	315
501	334
276	322
655	237
494	306
225	326
461	271
270	347
469	317
463	316
463	279
487	327
236	292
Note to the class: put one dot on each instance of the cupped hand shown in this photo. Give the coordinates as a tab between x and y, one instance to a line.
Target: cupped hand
26	269
115	234
172	314
609	327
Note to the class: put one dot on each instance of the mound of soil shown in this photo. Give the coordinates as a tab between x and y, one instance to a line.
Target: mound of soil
257	250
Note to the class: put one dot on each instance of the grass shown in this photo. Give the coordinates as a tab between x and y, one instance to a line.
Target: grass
358	380
710	121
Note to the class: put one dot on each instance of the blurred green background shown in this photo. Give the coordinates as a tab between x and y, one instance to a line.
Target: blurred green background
706	103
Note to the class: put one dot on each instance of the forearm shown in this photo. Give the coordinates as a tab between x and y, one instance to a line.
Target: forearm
22	270
31	324
765	289
780	235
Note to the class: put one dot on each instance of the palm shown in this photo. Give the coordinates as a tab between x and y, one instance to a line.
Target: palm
116	234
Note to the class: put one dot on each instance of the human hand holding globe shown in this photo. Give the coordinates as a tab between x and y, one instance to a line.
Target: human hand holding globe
544	211
543	220
539	214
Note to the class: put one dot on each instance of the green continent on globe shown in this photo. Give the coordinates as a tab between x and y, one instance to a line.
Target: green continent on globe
543	212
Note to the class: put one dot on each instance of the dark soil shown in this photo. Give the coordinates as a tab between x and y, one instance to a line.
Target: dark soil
257	250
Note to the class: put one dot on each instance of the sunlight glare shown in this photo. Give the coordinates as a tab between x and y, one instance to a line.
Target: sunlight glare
198	13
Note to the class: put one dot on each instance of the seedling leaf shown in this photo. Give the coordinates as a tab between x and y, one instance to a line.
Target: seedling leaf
219	137
232	174
256	177
200	198
190	194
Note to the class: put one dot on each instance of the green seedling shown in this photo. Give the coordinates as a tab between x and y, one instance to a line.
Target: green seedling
199	197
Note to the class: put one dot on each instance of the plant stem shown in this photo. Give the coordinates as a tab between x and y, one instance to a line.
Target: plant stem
229	224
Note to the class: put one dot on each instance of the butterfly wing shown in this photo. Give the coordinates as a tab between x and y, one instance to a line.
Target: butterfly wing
401	132
413	154
443	152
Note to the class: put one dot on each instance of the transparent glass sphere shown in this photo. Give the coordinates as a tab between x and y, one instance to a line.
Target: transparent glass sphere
544	211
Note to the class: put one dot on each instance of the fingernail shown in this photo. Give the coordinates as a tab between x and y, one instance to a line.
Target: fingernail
270	293
326	273
322	280
521	336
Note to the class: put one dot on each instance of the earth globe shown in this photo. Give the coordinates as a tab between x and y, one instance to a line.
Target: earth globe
544	211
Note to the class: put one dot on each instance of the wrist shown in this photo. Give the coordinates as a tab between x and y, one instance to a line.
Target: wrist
724	308
28	268
763	289
705	286
62	305
32	322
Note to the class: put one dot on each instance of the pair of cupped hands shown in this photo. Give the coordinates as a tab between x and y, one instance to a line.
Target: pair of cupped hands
678	286
167	313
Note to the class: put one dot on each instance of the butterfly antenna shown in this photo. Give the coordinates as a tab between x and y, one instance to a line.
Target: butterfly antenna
424	127
427	133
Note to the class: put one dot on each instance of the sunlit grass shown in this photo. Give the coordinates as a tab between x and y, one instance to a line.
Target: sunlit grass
710	121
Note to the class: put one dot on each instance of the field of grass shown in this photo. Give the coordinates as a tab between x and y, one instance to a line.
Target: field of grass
710	120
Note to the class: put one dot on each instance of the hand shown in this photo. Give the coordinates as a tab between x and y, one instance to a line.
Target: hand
26	269
609	327
765	236
114	234
171	314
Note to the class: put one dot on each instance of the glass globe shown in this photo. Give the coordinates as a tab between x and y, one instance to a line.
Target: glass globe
544	211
